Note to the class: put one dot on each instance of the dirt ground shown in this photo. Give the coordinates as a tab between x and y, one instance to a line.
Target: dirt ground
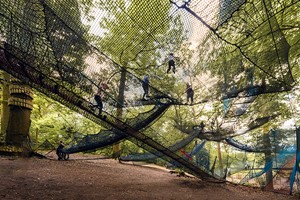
90	178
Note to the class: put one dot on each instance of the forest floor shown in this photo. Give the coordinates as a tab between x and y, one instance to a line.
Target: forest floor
86	177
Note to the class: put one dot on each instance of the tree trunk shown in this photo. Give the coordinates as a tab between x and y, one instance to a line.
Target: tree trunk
4	106
117	147
220	160
268	160
20	103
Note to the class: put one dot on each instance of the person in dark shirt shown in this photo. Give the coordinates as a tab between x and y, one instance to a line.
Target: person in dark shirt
189	93
99	96
98	100
145	85
59	150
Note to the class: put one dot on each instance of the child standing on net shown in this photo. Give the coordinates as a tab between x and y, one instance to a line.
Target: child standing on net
171	63
189	93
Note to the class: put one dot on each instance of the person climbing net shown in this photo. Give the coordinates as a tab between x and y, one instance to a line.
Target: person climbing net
171	63
99	96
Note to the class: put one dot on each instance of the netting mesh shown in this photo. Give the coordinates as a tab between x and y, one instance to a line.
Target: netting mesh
148	156
244	50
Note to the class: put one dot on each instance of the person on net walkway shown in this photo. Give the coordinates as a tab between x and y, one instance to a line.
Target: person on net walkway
171	63
99	96
189	93
145	85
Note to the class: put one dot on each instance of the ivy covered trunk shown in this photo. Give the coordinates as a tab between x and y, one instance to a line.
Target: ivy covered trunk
20	104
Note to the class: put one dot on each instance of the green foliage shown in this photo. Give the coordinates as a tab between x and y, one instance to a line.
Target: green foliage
134	28
53	121
138	41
